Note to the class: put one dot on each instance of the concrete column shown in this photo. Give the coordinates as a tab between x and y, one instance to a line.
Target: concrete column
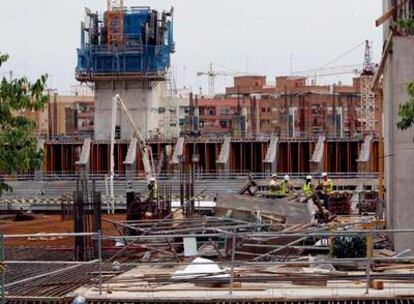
130	160
223	162
364	158
399	146
178	151
318	154
83	163
141	98
271	156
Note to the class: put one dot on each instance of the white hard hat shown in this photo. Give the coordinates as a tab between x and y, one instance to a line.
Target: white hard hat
286	178
324	174
152	179
309	177
274	175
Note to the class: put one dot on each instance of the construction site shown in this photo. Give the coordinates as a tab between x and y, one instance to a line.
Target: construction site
274	191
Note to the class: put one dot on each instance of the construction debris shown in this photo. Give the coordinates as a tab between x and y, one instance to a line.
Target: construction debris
200	268
368	202
23	216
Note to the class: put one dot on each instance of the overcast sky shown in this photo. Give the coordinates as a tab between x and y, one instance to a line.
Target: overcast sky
262	36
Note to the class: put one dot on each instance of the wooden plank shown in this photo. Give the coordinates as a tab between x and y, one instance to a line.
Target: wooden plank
385	16
394	267
375	284
381	66
310	283
389	13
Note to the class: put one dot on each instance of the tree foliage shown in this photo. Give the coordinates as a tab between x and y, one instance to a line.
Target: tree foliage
18	144
406	25
406	111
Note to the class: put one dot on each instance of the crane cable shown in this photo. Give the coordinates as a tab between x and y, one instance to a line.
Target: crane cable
343	55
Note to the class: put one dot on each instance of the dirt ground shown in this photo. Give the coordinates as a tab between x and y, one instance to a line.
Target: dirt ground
49	224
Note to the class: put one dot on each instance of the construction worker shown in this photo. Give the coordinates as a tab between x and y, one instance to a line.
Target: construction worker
308	188
153	190
285	187
327	188
273	186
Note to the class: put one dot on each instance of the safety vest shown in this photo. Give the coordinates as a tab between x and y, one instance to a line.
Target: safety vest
327	186
307	189
284	188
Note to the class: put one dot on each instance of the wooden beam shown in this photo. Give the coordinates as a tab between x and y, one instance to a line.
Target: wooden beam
381	66
389	13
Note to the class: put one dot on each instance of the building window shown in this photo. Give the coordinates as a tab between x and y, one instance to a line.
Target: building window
181	122
226	111
223	123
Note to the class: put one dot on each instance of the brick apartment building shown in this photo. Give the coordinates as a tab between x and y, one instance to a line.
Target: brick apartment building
291	108
64	115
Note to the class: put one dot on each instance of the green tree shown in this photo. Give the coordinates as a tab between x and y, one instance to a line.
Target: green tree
406	25
18	144
406	111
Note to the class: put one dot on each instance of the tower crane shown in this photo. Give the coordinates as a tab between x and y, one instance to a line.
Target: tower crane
212	74
368	106
313	74
329	70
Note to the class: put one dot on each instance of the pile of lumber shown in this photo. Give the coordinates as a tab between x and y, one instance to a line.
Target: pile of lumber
339	203
368	202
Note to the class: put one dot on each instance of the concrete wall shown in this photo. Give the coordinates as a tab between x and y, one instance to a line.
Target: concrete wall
399	146
141	99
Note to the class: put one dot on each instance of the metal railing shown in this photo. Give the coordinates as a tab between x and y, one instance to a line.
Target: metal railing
216	136
213	175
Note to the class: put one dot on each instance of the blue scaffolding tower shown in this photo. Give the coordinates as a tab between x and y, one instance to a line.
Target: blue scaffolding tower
142	49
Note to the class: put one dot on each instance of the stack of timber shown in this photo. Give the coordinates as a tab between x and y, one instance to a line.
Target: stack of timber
339	203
